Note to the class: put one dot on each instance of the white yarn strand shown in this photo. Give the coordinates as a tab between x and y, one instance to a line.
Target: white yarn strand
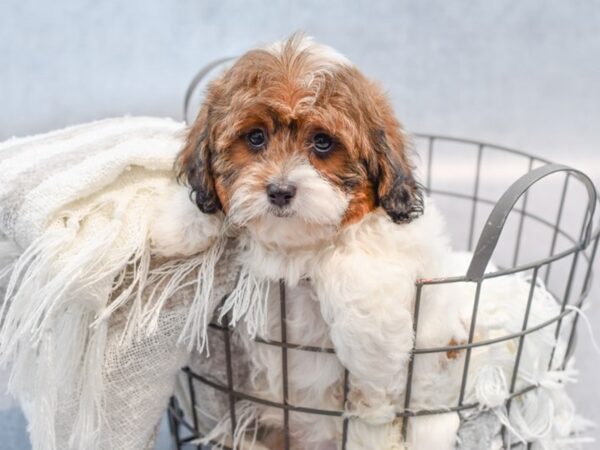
249	301
195	330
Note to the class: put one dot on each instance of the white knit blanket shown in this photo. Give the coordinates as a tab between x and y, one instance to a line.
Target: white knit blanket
41	175
80	204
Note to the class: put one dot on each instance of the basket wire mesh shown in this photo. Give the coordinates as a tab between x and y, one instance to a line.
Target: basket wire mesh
565	268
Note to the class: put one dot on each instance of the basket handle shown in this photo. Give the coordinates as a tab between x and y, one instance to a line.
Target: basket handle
196	81
497	218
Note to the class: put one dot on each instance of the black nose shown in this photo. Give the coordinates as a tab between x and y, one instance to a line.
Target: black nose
281	194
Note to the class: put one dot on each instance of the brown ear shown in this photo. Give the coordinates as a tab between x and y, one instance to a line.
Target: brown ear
397	191
193	164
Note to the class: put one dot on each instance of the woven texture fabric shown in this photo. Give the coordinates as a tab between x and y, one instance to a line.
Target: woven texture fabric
88	322
41	174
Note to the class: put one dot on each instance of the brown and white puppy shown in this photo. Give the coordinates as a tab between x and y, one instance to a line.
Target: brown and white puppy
303	155
291	123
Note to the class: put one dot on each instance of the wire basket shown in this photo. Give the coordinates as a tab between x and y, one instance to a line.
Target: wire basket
540	225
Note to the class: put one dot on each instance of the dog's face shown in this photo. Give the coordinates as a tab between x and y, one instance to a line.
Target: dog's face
293	142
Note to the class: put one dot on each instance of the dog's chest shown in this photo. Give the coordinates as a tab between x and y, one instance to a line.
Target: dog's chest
310	373
298	309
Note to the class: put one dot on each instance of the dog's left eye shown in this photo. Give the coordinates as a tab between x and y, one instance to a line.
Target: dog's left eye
256	138
322	143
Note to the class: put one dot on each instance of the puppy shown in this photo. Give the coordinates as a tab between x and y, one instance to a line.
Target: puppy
303	156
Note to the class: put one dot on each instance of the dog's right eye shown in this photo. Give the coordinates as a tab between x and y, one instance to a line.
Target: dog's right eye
256	138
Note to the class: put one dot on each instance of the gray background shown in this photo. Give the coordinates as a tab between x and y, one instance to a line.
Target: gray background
525	73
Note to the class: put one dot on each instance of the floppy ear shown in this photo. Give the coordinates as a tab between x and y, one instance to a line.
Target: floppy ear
193	164
397	191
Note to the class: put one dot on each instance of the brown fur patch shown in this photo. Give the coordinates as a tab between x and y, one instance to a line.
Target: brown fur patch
362	203
455	353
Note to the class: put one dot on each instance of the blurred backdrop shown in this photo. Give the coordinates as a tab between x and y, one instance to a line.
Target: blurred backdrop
523	73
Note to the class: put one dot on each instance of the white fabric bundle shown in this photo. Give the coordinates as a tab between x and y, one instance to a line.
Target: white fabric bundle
83	320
